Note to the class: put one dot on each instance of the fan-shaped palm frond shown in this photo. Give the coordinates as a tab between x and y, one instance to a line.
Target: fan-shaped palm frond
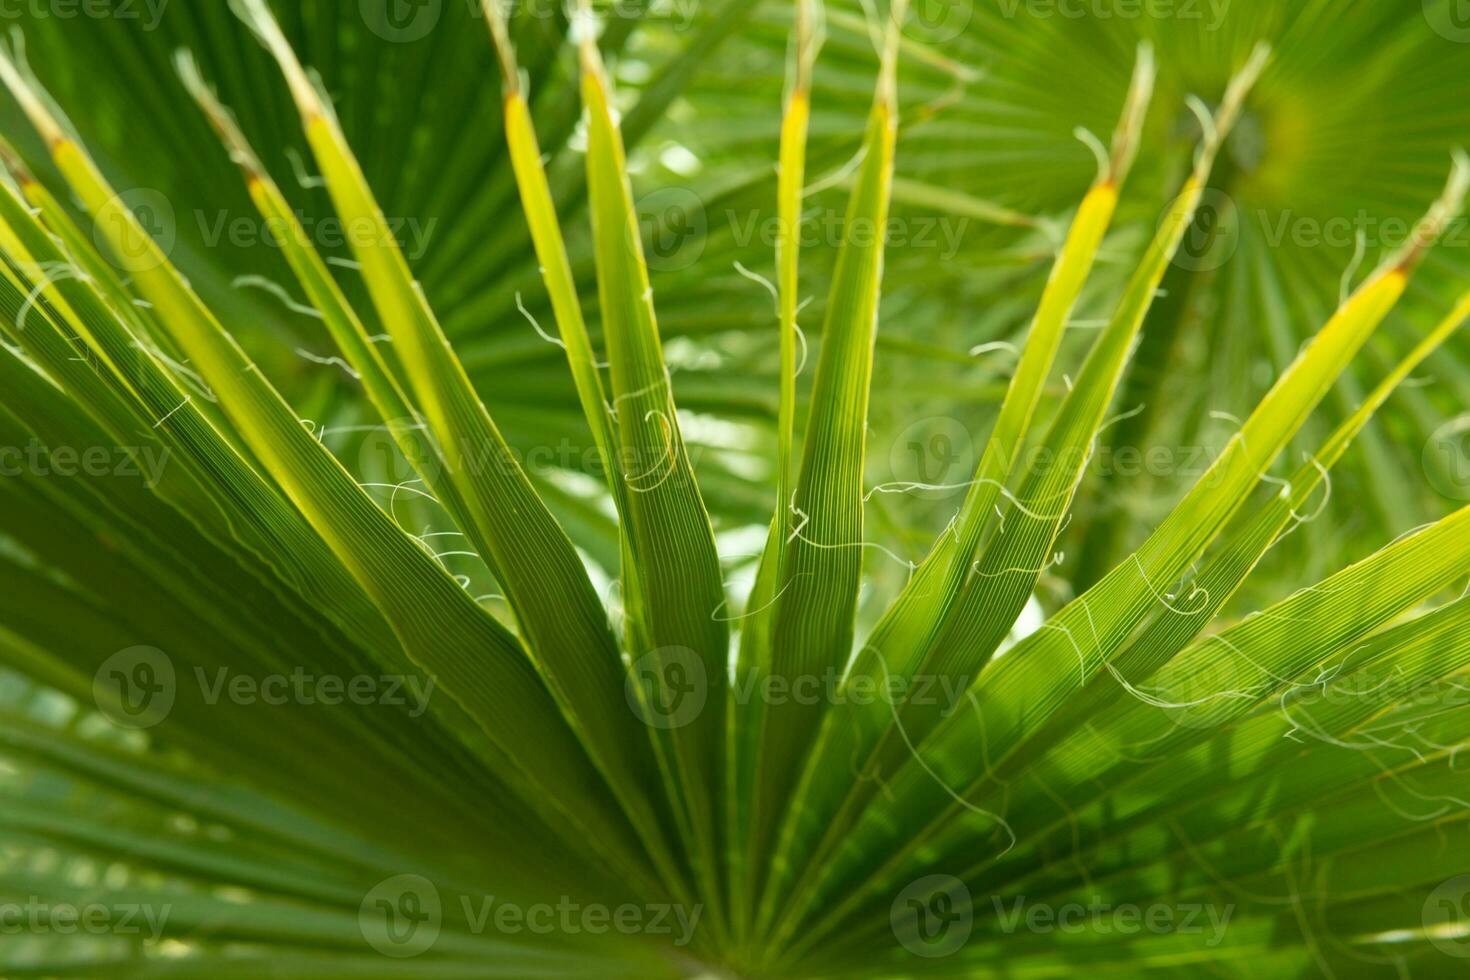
425	703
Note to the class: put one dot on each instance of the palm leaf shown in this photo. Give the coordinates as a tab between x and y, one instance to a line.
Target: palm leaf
748	701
